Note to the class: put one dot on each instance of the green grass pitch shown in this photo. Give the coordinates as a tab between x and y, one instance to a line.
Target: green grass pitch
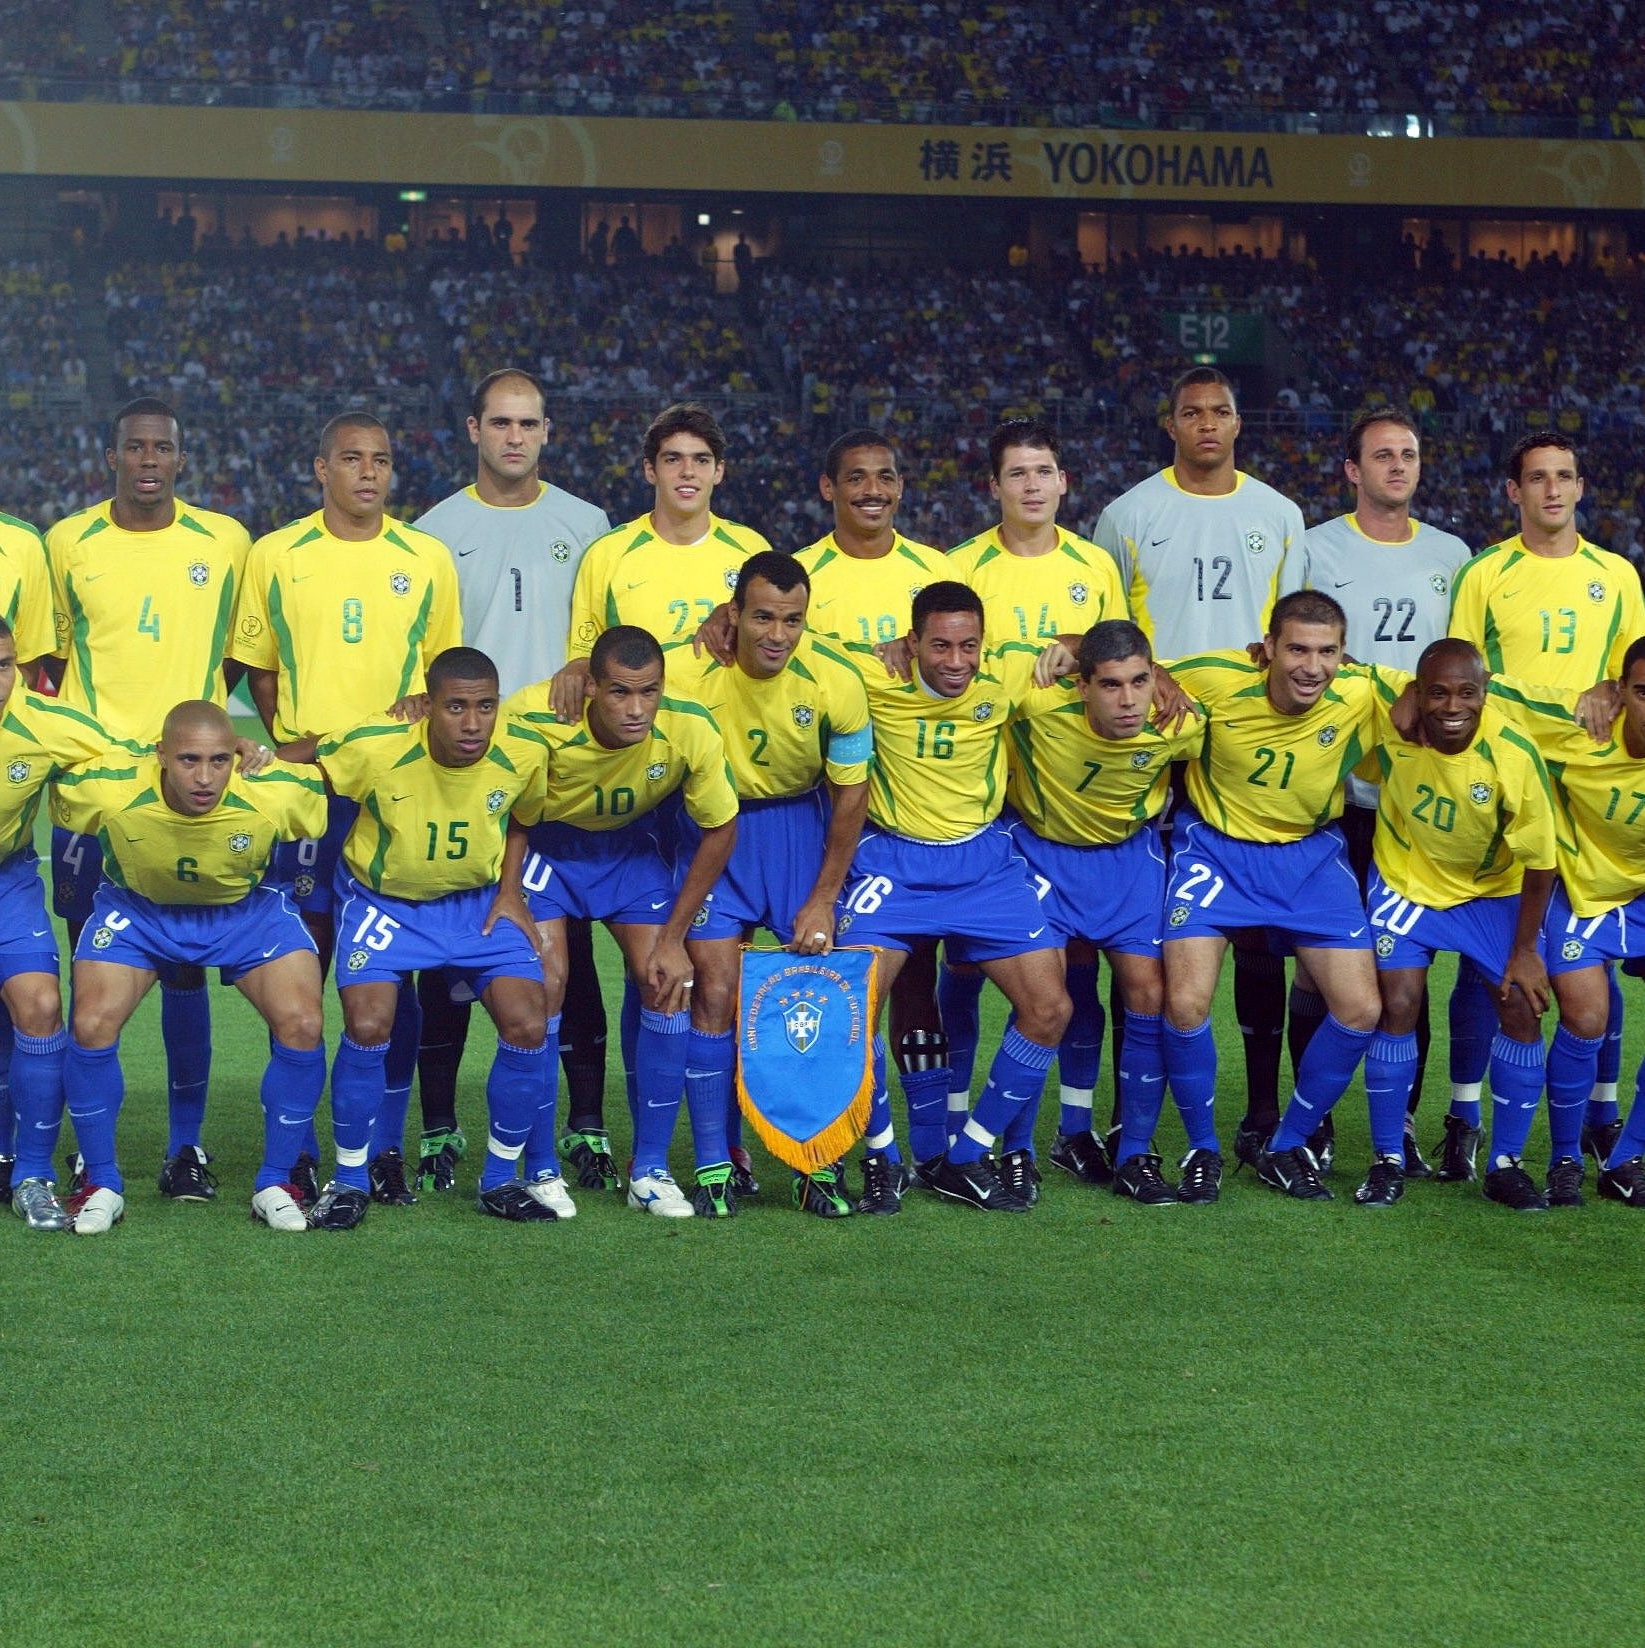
1261	1422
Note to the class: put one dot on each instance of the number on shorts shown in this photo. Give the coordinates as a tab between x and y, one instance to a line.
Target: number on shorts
308	853
1395	914
537	874
74	853
376	930
1198	876
869	895
1042	885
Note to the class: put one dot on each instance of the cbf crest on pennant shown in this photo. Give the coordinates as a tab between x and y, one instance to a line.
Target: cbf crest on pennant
805	1051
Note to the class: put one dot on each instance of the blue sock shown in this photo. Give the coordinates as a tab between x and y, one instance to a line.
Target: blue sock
1142	1083
659	1071
1631	1141
958	998
542	1150
1572	1061
514	1091
1079	1058
293	1081
1014	1079
628	1036
185	1027
1019	1130
882	1133
356	1097
926	1092
1473	1019
95	1087
1191	1068
1518	1070
8	1113
1602	1106
37	1093
709	1063
1328	1066
388	1132
1390	1073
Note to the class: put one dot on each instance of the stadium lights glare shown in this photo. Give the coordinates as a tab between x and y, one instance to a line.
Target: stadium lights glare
703	220
414	194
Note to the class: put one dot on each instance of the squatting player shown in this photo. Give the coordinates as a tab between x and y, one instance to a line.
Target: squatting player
1037	581
597	854
794	717
421	883
341	613
1256	847
665	572
144	588
517	541
186	840
935	862
1204	550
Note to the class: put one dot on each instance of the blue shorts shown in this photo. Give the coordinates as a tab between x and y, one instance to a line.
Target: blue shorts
974	893
238	938
76	871
307	870
1410	934
380	939
1571	942
1305	889
598	875
1112	895
27	942
772	869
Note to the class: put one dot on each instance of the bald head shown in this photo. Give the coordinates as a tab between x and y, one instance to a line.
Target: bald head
195	717
1448	655
196	756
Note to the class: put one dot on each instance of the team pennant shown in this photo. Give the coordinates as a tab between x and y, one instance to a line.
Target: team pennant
805	1051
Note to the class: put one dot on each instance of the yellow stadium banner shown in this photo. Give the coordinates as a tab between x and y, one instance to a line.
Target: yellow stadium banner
326	146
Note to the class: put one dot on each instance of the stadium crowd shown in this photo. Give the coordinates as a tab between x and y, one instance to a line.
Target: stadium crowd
940	60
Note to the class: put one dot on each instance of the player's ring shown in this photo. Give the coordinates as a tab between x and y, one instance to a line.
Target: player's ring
687	985
823	937
263	749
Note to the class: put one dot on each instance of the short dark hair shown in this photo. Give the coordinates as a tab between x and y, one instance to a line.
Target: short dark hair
348	420
1307	606
1032	432
1194	377
459	664
6	631
624	644
1635	654
1109	641
1354	441
944	596
1450	646
781	571
516	374
849	442
1530	441
145	406
684	418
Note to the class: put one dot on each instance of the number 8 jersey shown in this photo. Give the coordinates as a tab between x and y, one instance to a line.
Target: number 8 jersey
348	626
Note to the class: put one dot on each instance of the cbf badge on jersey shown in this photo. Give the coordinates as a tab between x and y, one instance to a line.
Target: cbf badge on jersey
805	1051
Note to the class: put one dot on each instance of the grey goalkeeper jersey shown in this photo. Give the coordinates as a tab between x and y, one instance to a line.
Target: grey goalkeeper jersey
1397	596
515	569
1202	573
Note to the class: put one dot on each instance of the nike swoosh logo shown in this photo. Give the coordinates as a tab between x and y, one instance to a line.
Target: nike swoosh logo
1018	1098
468	551
399	798
46	1127
295	1121
91	577
1343	583
1356	932
1036	932
301	577
1150	1081
40	934
270	951
657	904
1625	1191
640	585
651	1104
1154	543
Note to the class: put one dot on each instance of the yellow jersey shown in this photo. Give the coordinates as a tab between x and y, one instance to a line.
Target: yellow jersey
1039	597
348	627
1451	828
25	589
864	602
40	739
783	733
1599	794
1263	775
595	788
631	576
1562	621
1070	784
143	618
425	830
939	763
170	857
